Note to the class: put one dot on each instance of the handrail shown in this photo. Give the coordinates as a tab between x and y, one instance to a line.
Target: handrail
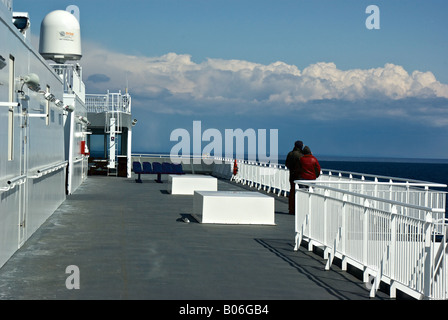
11	183
109	102
48	169
17	180
373	176
410	184
280	179
313	184
79	159
9	104
386	243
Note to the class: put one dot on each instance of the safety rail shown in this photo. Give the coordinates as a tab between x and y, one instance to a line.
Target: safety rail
190	164
406	252
110	102
388	229
403	192
49	169
71	76
275	178
269	177
11	183
19	180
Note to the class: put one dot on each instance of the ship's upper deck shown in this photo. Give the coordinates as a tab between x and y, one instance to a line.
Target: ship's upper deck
129	242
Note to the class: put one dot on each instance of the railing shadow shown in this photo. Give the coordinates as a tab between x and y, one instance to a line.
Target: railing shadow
335	282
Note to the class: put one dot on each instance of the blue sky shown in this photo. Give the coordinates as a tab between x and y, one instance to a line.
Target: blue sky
310	69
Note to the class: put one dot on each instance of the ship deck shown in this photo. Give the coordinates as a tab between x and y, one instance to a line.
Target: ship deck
129	242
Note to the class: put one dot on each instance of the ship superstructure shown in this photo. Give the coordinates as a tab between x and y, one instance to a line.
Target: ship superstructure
110	133
43	131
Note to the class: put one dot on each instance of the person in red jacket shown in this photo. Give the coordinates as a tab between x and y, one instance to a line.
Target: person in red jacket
310	165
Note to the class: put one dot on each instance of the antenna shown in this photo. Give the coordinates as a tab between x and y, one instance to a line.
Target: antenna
127	83
60	37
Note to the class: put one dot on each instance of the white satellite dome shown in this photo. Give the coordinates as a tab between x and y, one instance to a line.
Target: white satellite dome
60	37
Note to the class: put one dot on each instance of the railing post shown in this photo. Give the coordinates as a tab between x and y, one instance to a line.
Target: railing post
296	219
343	232
427	280
362	191
326	195
375	188
392	251
365	239
299	228
310	214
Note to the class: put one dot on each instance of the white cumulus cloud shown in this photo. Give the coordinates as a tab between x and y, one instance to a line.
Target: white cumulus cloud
174	83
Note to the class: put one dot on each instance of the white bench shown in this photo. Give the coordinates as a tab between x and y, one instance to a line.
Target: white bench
189	183
233	207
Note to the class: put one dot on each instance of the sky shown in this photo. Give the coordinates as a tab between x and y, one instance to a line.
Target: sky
312	70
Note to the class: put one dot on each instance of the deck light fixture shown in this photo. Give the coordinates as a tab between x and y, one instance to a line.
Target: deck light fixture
69	108
32	82
83	120
50	97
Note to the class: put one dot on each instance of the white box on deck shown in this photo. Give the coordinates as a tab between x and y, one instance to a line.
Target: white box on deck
189	183
234	207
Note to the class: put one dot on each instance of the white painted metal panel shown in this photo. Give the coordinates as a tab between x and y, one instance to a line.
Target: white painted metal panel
188	184
37	143
231	207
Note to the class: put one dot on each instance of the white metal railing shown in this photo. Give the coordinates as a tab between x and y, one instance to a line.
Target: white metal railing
110	102
8	4
407	192
49	169
269	177
69	73
12	183
275	178
399	189
385	228
389	245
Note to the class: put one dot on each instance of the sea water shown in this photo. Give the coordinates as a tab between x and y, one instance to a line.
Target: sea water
416	169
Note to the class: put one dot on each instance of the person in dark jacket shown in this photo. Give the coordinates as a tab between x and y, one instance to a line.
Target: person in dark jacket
293	164
310	165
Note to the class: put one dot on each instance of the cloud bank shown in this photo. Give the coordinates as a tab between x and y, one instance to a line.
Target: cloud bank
174	83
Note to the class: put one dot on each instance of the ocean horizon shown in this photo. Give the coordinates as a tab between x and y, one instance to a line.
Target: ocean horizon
422	169
282	158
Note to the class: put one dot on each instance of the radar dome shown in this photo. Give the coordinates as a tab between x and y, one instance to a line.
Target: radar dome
60	37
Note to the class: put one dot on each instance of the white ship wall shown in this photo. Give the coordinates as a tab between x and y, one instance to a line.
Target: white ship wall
78	163
36	145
